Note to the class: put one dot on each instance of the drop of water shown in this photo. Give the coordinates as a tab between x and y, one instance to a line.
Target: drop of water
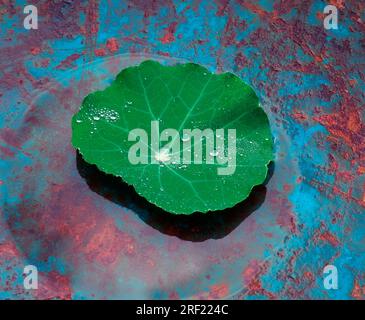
185	137
214	153
96	118
78	121
163	155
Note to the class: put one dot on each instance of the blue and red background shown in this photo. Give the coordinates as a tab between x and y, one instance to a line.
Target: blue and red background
311	83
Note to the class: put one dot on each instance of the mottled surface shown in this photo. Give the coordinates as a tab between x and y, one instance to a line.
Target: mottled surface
91	237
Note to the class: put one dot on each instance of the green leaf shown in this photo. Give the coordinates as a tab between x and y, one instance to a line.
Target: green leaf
185	173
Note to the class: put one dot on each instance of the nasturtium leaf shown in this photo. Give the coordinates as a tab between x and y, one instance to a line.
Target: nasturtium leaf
186	139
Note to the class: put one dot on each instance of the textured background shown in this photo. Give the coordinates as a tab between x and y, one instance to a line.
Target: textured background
311	82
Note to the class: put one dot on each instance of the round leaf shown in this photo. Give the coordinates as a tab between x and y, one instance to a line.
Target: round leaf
186	139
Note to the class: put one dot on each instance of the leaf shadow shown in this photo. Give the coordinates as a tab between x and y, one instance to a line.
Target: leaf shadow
196	227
